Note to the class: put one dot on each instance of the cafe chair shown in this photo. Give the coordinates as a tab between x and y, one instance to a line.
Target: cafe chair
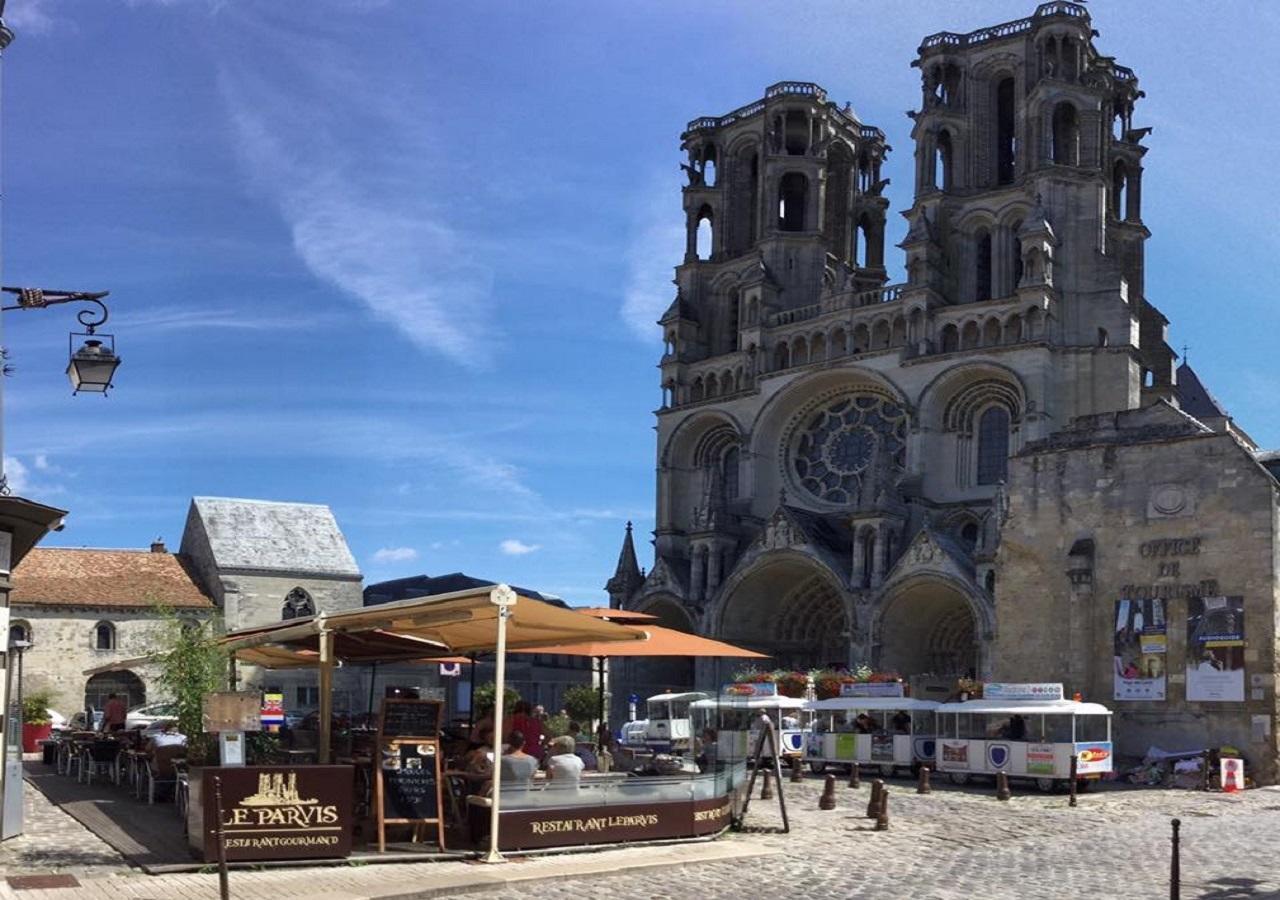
160	771
182	793
99	757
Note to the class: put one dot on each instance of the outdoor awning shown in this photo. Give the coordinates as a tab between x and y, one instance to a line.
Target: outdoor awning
459	623
123	665
658	641
615	615
300	651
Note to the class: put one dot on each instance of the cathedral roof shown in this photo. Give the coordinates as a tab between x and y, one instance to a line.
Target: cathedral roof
67	576
1194	398
267	536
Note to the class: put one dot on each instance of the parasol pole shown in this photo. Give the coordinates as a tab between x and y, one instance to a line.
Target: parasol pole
504	598
471	700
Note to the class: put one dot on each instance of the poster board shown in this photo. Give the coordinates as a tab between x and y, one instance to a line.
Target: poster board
1215	649
407	776
232	711
1140	650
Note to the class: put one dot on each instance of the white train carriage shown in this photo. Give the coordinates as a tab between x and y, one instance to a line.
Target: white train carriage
884	732
734	719
1027	731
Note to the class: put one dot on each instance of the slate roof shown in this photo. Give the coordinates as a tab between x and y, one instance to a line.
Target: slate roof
429	586
264	535
65	576
1194	398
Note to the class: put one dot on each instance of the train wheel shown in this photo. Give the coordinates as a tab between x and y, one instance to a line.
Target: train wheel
1046	785
817	767
886	771
959	777
1082	785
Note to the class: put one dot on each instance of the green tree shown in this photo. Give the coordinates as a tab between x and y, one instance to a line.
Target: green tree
191	664
486	694
582	702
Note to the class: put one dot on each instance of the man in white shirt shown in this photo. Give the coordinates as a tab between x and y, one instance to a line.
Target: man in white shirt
564	767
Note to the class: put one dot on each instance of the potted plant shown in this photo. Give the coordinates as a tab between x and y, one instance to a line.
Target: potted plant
36	724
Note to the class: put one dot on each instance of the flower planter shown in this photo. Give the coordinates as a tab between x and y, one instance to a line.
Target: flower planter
32	735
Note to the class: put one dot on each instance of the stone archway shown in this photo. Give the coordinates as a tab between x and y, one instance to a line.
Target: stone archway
125	683
929	627
790	608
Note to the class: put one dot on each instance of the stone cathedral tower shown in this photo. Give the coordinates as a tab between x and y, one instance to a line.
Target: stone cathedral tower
832	450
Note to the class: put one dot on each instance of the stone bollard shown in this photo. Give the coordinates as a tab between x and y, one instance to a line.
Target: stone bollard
828	798
873	804
766	790
855	776
1175	864
1002	786
923	786
797	771
882	813
1075	763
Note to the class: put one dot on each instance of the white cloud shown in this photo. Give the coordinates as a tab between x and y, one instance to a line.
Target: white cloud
514	547
16	474
657	246
394	554
362	223
41	461
32	16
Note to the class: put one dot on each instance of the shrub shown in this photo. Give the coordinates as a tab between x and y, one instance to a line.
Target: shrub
582	702
487	693
35	708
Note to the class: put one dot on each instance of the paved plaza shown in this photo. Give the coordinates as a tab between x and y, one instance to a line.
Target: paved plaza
952	843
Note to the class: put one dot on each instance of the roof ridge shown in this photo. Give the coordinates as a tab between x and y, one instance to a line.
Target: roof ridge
264	502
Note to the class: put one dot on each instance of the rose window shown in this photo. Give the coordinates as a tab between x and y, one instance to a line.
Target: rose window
838	443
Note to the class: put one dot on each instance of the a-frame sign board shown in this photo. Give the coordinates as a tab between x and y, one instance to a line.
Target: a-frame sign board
407	788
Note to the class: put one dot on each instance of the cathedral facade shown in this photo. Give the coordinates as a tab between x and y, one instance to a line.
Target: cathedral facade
935	477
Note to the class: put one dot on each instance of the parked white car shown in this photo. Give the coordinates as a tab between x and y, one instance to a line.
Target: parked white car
142	716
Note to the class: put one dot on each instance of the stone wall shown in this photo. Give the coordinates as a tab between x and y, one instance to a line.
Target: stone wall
63	647
1172	511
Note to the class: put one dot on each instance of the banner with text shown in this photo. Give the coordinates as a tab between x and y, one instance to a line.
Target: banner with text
1141	642
1215	648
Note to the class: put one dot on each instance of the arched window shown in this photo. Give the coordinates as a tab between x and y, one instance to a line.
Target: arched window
19	631
1066	135
969	536
104	636
982	266
1119	190
942	159
1005	131
993	445
991	582
731	458
950	338
705	235
793	190
298	605
1015	256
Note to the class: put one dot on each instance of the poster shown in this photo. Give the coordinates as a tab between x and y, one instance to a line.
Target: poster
1215	648
882	748
1040	759
955	755
1141	642
845	744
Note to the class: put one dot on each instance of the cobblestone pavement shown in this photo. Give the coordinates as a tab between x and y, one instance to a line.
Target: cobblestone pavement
963	843
953	843
52	841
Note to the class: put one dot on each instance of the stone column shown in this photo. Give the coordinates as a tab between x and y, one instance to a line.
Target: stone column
696	564
859	557
879	564
714	561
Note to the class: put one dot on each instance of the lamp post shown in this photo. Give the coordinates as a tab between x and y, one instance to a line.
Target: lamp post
91	367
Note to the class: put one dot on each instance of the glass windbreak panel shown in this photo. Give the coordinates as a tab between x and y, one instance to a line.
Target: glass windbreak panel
1092	728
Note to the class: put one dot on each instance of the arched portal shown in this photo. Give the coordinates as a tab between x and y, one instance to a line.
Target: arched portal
791	609
928	627
125	683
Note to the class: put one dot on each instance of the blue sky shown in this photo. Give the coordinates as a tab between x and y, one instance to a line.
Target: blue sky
403	257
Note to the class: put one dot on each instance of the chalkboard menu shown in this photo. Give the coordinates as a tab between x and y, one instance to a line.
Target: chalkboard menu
407	788
410	718
409	783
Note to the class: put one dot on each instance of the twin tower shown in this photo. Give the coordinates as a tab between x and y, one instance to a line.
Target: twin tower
823	435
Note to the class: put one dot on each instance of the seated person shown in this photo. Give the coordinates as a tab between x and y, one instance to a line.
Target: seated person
864	724
518	767
564	767
1015	729
790	723
478	760
705	749
169	737
902	722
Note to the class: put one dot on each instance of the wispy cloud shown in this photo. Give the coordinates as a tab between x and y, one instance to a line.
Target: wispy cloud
33	16
394	554
515	547
164	319
360	222
657	245
32	478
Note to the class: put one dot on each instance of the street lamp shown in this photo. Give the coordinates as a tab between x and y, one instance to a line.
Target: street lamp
92	367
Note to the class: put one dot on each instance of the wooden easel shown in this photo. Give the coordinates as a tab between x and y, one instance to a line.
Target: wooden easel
766	731
399	722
